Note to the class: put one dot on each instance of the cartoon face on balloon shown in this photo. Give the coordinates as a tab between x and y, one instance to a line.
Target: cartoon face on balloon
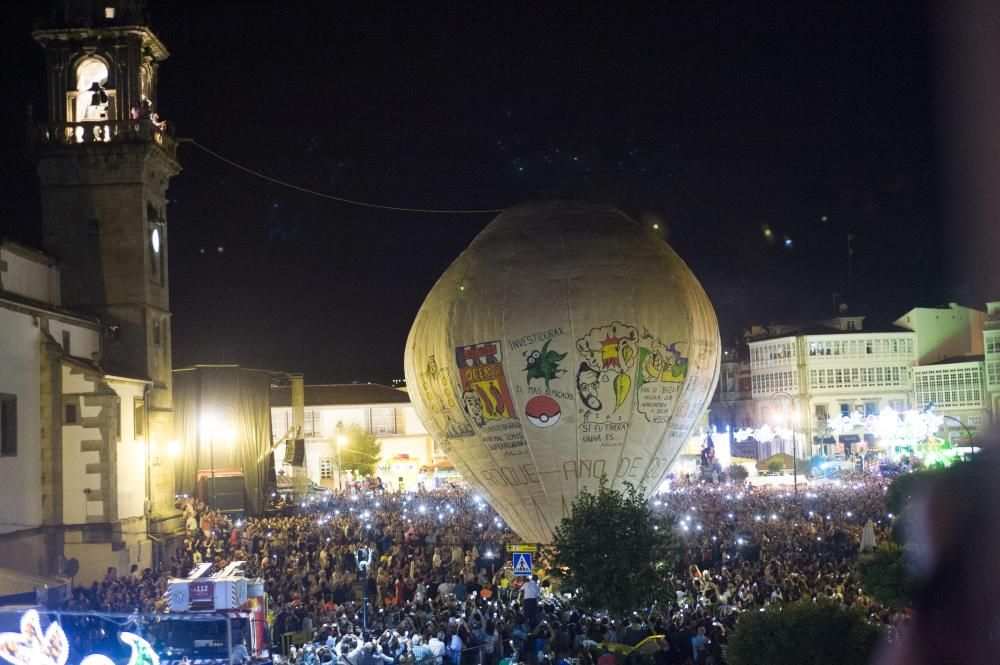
473	407
582	348
609	353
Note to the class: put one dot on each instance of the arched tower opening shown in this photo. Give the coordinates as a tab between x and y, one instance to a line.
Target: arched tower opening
90	99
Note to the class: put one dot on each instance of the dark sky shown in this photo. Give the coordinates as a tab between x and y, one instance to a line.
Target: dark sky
817	119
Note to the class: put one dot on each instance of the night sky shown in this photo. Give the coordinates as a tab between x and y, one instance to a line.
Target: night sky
815	120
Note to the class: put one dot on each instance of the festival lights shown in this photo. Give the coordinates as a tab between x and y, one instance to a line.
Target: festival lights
33	647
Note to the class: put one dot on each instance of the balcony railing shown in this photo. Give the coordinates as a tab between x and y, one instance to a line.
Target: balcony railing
97	132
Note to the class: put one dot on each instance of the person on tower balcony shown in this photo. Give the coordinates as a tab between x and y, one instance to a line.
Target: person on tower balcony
154	118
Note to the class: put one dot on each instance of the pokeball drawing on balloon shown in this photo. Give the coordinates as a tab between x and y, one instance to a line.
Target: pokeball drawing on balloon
542	411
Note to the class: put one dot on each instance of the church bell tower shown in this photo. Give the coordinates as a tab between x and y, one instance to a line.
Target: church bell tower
104	160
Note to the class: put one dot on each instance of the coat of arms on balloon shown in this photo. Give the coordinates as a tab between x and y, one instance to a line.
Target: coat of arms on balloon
565	344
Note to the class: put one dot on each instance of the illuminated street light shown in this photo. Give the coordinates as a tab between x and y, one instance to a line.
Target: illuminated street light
215	428
792	415
341	441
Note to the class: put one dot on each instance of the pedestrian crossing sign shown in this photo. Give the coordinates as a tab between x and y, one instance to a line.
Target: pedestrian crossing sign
522	563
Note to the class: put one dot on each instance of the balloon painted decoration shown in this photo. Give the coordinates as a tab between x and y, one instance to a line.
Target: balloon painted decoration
565	343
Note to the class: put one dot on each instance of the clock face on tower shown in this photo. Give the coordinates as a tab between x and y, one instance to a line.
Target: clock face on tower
154	239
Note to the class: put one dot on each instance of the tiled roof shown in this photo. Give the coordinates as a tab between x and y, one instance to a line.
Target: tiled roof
342	394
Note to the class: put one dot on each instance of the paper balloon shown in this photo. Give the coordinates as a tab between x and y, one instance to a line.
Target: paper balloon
566	343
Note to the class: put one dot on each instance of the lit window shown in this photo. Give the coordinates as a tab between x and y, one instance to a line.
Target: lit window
90	97
993	344
279	424
109	12
312	423
383	421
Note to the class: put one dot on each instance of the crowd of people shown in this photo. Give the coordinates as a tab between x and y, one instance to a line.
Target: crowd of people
425	576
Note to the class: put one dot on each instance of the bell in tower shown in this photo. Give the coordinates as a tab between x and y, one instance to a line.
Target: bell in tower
104	162
102	63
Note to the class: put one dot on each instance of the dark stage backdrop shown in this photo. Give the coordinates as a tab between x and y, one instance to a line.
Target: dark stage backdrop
222	414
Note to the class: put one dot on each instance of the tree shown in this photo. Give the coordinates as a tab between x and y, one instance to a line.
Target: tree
908	485
885	576
611	552
820	633
361	453
738	472
775	466
901	494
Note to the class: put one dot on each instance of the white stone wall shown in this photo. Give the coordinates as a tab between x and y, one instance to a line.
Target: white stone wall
29	278
84	341
945	333
131	471
77	483
411	423
20	362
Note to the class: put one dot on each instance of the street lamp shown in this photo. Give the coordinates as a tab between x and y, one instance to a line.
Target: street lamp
341	441
968	433
788	402
213	426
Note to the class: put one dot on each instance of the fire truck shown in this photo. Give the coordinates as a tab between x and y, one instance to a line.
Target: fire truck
209	614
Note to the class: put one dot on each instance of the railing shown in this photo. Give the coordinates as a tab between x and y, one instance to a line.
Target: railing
101	131
474	655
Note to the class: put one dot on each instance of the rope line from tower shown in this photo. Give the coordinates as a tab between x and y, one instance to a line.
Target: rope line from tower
313	192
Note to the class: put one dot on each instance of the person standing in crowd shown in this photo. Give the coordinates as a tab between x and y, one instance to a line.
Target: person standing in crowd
529	599
240	655
306	557
699	645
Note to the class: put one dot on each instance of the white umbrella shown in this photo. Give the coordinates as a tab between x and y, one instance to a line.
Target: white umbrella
868	537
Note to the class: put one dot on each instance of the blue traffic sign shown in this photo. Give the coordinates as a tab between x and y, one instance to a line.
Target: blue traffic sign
522	564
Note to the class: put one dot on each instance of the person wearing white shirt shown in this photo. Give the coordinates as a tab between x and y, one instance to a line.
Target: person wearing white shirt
529	598
437	649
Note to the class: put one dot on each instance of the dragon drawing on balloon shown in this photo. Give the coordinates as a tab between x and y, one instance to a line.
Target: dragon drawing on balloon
617	360
32	646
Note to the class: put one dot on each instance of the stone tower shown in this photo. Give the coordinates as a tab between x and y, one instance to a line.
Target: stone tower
104	160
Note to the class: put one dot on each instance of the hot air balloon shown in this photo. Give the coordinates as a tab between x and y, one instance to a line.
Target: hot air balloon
566	343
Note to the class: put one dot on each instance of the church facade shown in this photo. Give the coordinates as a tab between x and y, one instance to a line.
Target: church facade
86	418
